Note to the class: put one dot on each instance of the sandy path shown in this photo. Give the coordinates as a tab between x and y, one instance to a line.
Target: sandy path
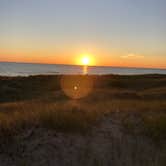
107	145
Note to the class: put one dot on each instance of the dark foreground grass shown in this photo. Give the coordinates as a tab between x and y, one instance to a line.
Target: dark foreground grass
51	116
121	122
79	117
154	126
138	103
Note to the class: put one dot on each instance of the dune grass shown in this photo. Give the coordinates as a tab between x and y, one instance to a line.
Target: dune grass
138	117
138	103
37	118
61	117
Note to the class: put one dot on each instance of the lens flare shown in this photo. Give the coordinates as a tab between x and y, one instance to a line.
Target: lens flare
76	87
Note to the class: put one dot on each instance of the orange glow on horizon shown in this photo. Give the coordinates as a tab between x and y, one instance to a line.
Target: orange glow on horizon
85	60
71	58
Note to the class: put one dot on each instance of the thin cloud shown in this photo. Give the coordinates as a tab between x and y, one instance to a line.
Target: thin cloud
133	56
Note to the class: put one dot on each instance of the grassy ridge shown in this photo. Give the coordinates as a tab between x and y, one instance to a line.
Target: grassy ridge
23	88
38	101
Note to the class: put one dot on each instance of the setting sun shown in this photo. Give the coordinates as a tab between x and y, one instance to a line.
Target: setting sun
85	60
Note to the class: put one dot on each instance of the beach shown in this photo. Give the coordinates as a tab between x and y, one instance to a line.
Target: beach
120	121
82	83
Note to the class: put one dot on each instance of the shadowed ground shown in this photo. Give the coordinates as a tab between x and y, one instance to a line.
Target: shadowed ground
121	122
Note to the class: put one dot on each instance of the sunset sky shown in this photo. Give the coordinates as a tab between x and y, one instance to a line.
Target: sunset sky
112	32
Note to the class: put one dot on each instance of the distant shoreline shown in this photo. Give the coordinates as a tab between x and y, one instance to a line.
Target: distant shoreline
105	66
89	75
27	69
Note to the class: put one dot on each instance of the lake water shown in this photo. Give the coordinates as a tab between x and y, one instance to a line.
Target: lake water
26	69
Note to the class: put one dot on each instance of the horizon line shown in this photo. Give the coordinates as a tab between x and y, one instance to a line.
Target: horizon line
157	68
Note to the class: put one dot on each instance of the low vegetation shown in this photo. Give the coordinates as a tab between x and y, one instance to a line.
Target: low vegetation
136	104
140	102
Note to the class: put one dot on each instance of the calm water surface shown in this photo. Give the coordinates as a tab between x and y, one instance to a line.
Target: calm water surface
25	69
